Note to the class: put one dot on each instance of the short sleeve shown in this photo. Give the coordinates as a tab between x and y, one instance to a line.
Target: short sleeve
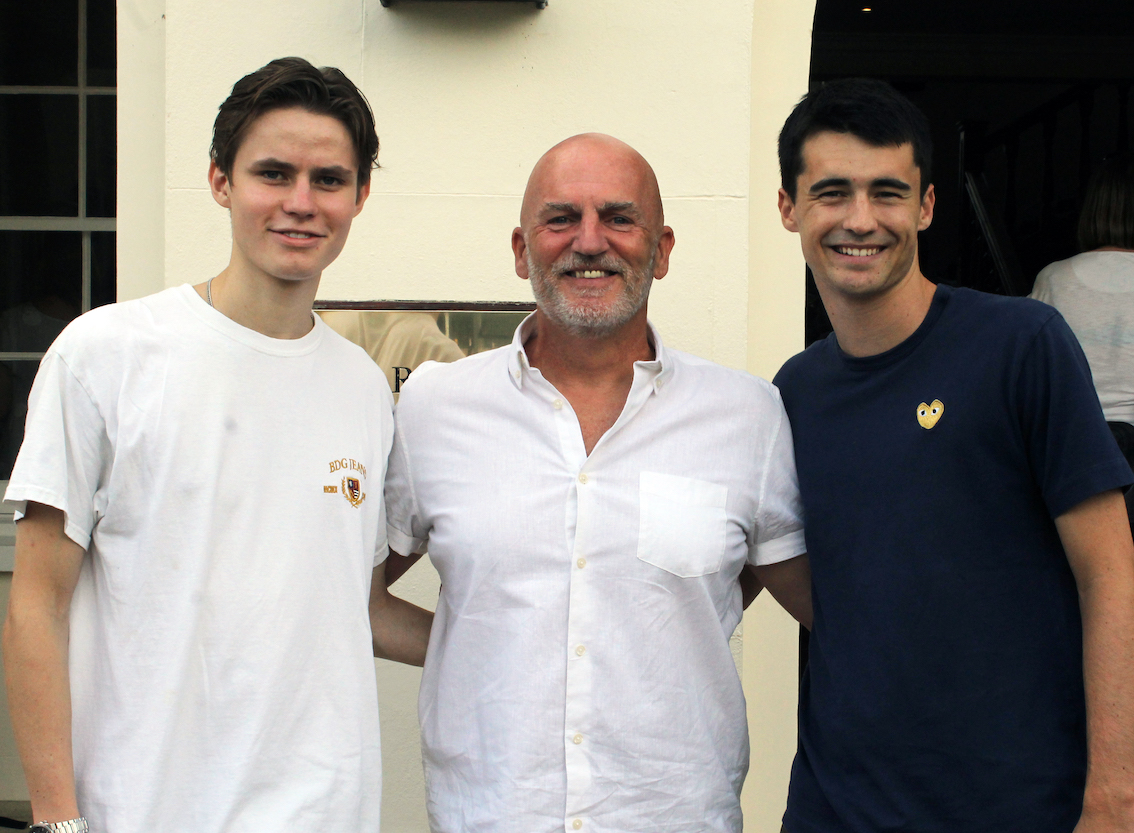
1072	451
778	532
65	451
403	524
1042	290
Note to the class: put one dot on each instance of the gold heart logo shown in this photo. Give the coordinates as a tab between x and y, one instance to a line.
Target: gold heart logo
927	415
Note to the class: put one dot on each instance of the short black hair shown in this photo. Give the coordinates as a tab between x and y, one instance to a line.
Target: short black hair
867	108
294	82
1107	218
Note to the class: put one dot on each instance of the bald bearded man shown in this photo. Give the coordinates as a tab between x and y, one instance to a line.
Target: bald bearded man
589	497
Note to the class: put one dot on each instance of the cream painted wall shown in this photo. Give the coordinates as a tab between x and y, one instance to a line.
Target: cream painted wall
781	57
467	96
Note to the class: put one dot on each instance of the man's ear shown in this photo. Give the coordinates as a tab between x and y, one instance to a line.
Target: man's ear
665	246
219	185
520	250
927	203
363	193
787	211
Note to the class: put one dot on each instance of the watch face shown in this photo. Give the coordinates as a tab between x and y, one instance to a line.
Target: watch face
39	828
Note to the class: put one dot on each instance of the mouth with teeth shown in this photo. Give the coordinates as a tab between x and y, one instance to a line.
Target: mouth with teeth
858	251
590	273
297	235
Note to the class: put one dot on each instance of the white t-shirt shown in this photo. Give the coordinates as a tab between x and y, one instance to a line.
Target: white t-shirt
579	675
228	487
1094	291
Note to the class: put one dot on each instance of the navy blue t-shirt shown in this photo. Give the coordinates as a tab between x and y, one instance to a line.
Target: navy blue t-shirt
944	688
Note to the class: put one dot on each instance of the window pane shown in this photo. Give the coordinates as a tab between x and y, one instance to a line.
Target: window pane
100	43
39	155
101	153
41	282
39	42
15	384
103	271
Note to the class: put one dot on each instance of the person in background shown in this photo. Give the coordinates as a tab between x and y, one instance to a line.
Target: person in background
1094	292
201	527
397	341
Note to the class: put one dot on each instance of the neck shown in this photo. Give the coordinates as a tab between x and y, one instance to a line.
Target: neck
867	326
270	306
567	359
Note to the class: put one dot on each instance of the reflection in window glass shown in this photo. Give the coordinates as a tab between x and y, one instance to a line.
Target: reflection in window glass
16	379
39	42
103	272
101	150
400	340
49	186
101	42
41	281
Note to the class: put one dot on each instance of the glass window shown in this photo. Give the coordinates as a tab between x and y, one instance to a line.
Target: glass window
58	153
39	42
39	159
102	44
102	148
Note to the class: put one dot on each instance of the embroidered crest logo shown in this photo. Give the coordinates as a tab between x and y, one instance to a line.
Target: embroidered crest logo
352	491
928	415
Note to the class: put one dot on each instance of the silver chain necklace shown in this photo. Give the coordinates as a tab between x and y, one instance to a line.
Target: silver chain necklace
209	292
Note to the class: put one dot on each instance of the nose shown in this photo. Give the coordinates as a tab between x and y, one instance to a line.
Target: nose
591	236
860	217
300	201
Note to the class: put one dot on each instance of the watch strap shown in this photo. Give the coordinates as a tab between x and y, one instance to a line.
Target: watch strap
78	825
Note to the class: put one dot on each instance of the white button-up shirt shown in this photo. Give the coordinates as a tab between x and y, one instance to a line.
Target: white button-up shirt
579	675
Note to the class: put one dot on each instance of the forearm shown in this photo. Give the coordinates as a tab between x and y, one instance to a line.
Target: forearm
789	582
1096	538
39	699
1108	672
400	630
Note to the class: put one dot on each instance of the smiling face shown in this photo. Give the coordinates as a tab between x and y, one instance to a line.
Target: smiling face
591	238
858	209
292	194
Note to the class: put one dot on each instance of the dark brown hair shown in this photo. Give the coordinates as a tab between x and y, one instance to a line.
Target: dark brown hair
867	108
1107	218
294	82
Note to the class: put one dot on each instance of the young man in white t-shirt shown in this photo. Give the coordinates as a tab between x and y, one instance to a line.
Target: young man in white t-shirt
201	523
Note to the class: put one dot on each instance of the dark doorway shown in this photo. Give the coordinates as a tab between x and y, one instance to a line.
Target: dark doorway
1024	100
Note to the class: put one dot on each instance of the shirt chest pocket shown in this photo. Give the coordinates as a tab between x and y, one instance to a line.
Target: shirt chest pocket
682	524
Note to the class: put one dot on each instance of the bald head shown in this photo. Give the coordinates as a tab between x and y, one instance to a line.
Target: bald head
594	159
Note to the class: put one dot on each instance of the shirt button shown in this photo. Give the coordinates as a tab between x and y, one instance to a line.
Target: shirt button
583	478
557	404
577	739
581	563
582	649
577	823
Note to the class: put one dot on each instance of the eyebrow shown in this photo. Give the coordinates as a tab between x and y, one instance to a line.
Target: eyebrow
605	208
843	182
278	164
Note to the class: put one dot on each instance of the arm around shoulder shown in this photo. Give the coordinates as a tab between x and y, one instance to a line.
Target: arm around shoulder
1096	538
400	630
789	582
36	634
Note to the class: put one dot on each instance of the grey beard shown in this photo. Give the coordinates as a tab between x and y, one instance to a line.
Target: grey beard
582	319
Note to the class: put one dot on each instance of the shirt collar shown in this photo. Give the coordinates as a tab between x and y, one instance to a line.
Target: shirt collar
661	368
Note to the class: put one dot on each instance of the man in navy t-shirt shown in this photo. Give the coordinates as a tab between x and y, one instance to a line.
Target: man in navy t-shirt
972	659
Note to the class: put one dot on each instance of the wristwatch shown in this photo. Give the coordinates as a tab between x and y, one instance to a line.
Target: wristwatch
78	825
